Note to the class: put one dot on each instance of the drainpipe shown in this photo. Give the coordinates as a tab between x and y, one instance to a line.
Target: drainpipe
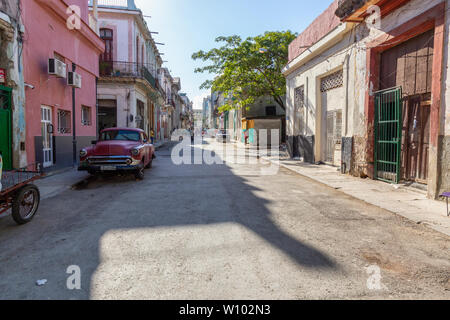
96	108
307	107
347	71
74	129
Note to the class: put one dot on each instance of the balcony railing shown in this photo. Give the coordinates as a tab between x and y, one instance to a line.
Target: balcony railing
161	90
117	69
171	102
119	4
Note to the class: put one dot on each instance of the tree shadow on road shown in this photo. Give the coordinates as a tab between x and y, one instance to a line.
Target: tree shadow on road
70	227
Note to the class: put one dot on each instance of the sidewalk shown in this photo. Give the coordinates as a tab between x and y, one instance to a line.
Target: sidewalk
404	201
58	182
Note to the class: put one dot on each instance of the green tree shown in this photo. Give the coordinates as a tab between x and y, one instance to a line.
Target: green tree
247	69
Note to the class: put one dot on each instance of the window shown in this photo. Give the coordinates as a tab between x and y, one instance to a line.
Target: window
332	81
86	116
120	135
64	121
140	114
271	111
299	99
107	37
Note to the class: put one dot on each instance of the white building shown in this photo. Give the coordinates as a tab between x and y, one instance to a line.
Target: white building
128	92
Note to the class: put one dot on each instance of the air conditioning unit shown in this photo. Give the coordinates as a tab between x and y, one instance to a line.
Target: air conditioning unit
57	68
74	80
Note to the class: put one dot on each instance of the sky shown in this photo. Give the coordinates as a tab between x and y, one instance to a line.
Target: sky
187	26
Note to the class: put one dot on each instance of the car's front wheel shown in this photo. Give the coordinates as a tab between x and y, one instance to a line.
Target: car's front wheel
139	174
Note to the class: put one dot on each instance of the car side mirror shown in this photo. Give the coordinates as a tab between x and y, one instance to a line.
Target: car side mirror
94	142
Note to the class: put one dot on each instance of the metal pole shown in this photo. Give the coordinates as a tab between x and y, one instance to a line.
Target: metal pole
96	109
74	129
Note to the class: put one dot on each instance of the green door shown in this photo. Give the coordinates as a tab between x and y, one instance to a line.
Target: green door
5	127
388	134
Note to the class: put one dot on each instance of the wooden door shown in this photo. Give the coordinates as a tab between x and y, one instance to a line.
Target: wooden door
106	58
417	139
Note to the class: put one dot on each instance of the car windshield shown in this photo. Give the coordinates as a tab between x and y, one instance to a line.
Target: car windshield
117	135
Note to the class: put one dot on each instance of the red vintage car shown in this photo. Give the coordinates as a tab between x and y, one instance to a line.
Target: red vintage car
118	150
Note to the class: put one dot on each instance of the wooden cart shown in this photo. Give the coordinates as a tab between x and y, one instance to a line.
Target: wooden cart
19	195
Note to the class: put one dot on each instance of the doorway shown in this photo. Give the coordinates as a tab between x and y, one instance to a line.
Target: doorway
416	139
107	114
47	136
409	66
329	127
5	127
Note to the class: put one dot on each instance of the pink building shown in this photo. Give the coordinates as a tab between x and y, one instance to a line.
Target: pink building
51	123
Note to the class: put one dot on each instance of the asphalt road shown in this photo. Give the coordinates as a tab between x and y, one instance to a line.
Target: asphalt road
219	232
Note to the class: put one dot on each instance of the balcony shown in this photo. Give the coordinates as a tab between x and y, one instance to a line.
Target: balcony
117	69
171	102
161	90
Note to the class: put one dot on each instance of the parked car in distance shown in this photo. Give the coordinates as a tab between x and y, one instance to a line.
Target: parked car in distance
223	136
118	150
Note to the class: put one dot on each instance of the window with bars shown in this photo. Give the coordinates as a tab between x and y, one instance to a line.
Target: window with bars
86	116
299	99
332	81
64	121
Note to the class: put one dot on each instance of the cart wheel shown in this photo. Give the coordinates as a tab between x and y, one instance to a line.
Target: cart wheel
25	204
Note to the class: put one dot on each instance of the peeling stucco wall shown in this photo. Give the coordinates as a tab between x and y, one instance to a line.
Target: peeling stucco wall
350	53
444	164
11	59
444	141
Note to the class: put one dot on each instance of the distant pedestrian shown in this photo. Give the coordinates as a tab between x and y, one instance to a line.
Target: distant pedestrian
152	136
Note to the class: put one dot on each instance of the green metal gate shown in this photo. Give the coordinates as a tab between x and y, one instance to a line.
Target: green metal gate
5	127
388	134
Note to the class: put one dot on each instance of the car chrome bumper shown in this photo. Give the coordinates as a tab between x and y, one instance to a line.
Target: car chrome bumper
108	168
110	164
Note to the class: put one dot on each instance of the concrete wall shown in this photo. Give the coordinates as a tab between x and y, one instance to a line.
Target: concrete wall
444	141
11	60
258	109
317	30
